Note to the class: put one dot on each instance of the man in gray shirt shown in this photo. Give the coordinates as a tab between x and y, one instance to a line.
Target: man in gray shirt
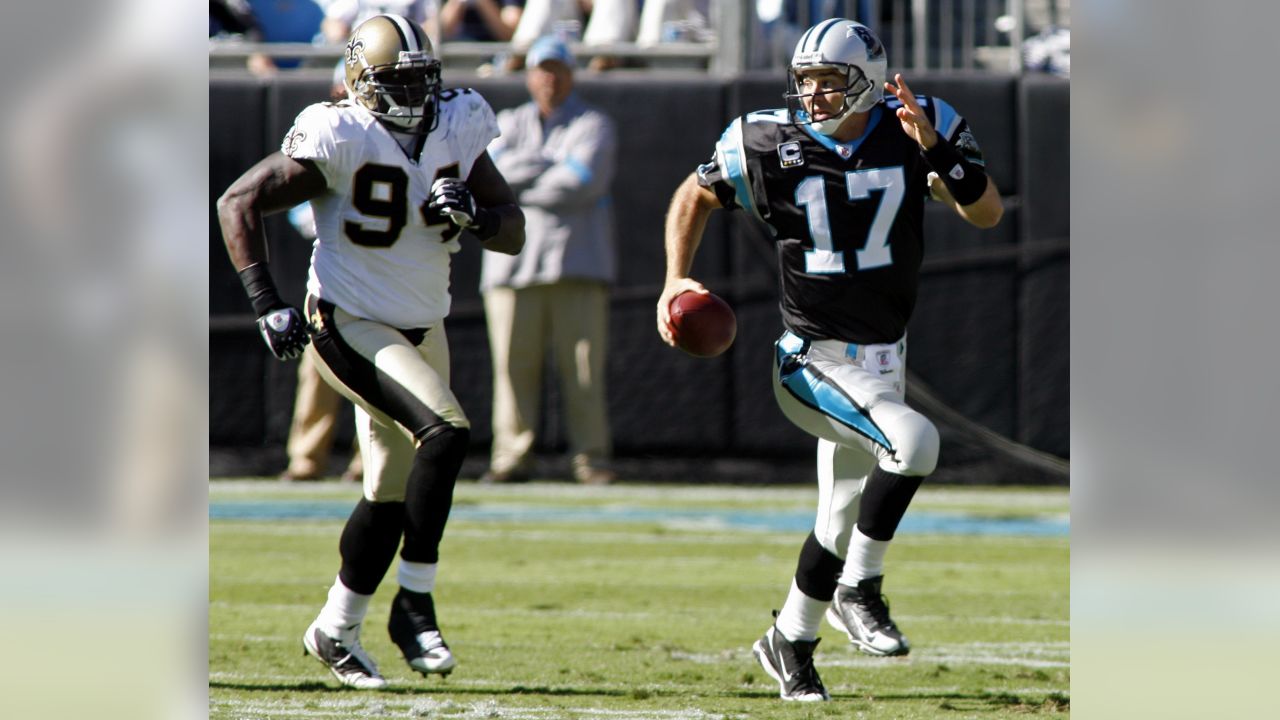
558	153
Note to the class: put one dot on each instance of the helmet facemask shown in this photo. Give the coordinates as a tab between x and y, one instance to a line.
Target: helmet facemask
859	96
404	94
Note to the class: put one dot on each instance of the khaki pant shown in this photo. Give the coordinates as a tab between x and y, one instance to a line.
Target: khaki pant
315	417
571	318
400	388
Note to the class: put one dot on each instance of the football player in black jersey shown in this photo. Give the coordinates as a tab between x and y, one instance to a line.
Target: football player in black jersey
840	178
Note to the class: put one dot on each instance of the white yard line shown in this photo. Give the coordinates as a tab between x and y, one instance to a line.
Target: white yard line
1023	654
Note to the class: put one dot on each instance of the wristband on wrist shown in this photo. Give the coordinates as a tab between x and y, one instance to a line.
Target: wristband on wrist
965	181
487	224
261	289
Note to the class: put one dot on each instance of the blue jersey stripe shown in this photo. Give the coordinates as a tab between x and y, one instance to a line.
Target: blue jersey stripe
811	389
947	119
734	165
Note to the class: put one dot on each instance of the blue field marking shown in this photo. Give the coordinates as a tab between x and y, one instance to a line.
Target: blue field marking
919	523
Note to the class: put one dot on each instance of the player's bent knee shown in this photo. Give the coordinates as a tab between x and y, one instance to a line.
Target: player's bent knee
448	435
917	450
445	443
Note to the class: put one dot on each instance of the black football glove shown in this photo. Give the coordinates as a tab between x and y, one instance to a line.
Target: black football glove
452	198
285	333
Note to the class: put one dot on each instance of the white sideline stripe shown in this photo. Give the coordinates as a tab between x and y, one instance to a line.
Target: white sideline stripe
325	528
928	691
250	638
992	619
368	705
1022	654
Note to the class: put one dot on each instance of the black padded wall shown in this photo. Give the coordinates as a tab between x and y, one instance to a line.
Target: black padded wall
989	334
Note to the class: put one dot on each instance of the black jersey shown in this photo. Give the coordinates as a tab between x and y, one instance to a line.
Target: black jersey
847	218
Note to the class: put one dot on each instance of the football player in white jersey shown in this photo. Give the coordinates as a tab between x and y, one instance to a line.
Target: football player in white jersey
398	177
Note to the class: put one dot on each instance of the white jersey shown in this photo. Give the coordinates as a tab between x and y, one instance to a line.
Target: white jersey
375	255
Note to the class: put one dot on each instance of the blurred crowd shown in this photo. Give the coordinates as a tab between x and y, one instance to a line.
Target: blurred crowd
514	23
602	29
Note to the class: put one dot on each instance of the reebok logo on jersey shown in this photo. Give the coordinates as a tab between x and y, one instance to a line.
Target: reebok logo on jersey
957	173
789	154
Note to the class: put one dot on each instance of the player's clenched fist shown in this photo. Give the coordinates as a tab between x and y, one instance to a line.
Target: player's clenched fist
285	332
451	197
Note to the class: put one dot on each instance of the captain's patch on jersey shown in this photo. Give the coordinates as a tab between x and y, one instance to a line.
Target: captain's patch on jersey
789	154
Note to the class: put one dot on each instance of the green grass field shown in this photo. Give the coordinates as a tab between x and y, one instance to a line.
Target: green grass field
638	602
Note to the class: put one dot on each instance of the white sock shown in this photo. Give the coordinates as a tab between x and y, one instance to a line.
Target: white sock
865	560
800	615
344	610
417	577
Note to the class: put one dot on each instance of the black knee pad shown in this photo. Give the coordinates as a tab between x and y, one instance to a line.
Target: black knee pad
817	570
428	495
368	544
445	443
885	498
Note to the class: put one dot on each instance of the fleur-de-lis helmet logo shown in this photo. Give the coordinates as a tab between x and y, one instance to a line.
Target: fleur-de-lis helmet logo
355	52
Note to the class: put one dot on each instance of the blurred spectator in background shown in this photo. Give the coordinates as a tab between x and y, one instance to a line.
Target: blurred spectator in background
1048	51
235	18
480	20
612	21
340	16
288	21
593	22
674	21
315	418
558	154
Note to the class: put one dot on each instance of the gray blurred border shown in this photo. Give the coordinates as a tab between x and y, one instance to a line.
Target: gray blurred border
1174	395
103	345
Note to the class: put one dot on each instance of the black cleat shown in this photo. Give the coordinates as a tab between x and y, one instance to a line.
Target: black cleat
413	629
344	658
791	664
863	614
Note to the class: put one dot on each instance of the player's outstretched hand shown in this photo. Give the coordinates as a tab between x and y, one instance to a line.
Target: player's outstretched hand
669	293
914	122
453	198
285	333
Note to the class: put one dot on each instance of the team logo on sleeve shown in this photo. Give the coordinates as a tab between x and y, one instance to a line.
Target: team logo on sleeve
789	154
293	140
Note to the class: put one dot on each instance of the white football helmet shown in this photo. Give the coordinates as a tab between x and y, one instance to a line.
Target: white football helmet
849	47
392	71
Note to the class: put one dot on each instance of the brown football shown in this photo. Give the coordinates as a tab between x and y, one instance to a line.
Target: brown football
705	325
